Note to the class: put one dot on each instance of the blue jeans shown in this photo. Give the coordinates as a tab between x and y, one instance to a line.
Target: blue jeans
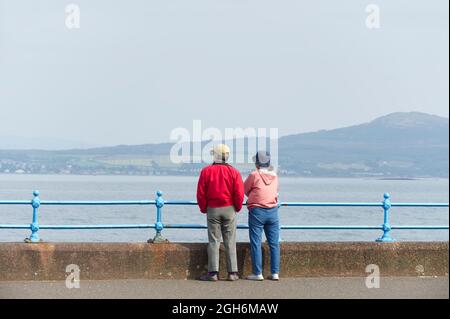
266	219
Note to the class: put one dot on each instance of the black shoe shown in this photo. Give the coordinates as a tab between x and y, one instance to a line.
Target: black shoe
210	276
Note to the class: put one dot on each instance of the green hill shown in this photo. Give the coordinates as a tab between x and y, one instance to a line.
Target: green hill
396	145
399	144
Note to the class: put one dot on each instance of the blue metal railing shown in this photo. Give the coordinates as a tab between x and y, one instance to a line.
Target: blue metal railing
159	203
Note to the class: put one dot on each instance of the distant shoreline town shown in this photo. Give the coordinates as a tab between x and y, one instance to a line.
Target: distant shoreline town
191	172
374	177
398	145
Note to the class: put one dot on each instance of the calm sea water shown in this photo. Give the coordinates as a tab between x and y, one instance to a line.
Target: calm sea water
59	187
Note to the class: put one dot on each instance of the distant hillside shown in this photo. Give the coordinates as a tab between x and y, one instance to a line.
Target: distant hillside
396	145
399	144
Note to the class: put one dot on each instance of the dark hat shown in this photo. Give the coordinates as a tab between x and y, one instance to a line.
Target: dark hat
262	159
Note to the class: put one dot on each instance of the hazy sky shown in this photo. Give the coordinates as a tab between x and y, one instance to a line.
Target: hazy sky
135	70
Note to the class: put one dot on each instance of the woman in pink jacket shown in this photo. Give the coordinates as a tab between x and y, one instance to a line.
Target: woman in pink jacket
261	188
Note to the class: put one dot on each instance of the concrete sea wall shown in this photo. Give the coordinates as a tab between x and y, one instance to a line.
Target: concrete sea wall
48	261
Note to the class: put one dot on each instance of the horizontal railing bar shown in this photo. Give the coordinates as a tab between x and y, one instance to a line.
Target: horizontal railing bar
193	226
130	226
97	203
325	204
419	204
181	202
192	203
325	227
15	202
418	227
118	226
81	203
201	226
15	226
305	204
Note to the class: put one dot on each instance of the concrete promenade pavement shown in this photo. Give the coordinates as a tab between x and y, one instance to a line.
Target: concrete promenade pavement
321	287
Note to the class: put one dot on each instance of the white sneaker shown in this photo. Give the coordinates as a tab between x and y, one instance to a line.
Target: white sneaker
274	277
255	277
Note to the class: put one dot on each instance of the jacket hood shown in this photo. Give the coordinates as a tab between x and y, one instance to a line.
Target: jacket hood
268	176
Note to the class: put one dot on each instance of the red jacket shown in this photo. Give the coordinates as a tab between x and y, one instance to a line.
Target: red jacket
220	185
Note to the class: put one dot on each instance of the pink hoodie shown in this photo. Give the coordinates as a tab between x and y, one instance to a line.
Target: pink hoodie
261	188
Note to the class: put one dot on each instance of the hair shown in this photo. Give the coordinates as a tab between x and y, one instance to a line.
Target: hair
269	168
221	157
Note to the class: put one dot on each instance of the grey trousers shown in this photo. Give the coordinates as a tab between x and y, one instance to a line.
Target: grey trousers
222	224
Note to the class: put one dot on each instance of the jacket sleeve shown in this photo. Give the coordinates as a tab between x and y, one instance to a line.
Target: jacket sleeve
238	194
248	184
201	193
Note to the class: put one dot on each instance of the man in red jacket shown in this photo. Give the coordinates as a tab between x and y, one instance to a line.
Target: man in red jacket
220	193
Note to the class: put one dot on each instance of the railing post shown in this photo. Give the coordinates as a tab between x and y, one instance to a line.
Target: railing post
34	226
279	230
386	226
159	203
